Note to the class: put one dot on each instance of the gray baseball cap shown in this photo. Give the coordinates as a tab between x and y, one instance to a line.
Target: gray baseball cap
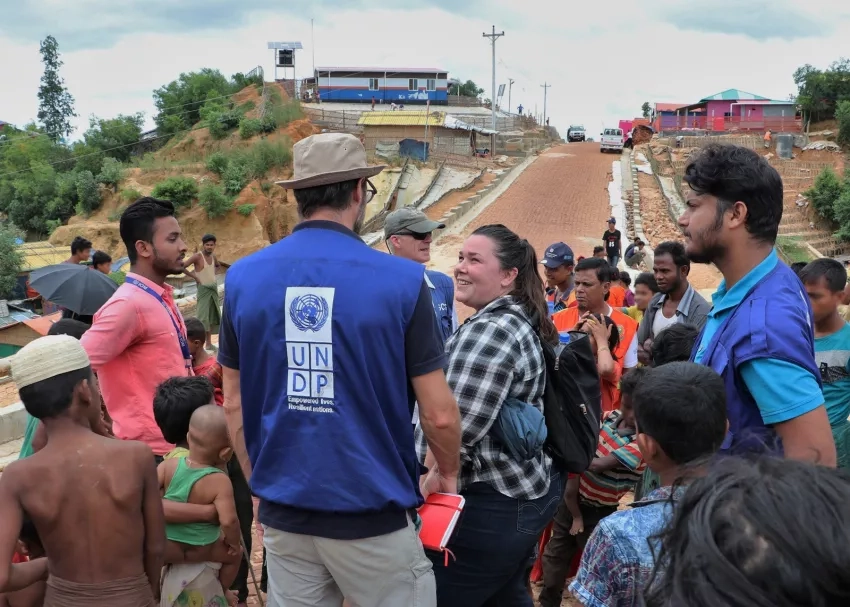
409	220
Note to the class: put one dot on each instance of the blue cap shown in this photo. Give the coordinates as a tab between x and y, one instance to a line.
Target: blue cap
558	255
613	220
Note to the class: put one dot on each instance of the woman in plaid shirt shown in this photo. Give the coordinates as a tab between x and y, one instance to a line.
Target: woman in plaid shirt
494	356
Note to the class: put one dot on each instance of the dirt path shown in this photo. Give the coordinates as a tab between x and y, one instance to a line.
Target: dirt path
562	196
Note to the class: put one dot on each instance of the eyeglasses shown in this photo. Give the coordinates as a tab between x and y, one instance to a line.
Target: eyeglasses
415	235
371	190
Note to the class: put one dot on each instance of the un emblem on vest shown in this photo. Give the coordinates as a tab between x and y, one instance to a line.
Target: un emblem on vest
309	312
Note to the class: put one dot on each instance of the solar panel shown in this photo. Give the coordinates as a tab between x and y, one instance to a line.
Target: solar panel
285	46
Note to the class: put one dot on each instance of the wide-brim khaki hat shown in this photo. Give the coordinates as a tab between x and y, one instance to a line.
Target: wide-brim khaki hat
328	158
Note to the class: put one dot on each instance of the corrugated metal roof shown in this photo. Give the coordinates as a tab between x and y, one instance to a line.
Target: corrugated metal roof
734	95
42	324
401	118
40	254
388	70
669	107
15	316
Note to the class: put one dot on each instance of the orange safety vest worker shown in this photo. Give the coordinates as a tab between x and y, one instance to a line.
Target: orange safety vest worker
566	320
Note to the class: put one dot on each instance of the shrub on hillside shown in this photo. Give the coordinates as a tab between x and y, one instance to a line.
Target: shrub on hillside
130	195
221	123
286	112
180	190
266	155
249	127
268	124
842	214
88	194
214	200
236	176
111	173
246	209
824	193
842	117
217	163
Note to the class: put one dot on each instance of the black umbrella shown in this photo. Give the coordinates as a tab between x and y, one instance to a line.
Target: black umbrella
78	288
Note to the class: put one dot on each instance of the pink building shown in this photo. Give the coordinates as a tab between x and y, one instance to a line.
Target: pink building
732	110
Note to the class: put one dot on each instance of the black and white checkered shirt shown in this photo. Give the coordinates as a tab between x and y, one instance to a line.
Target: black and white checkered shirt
493	356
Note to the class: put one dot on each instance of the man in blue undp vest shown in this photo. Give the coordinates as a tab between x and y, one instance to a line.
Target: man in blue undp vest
759	334
325	345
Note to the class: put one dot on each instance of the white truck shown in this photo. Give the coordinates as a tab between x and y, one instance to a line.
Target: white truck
575	133
611	139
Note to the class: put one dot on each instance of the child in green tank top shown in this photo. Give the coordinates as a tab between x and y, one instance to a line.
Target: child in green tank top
200	478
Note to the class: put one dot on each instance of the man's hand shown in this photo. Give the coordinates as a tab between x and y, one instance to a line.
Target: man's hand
645	353
434	482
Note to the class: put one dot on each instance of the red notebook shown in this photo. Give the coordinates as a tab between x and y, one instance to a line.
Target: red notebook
439	515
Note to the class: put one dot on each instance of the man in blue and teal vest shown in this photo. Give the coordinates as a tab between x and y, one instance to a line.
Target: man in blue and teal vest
759	334
325	344
407	232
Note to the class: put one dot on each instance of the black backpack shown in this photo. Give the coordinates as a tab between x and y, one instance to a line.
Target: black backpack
572	403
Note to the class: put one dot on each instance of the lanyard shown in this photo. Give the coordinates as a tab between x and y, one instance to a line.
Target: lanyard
181	337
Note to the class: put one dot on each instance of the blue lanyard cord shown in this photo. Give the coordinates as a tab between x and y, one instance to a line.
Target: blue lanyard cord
181	337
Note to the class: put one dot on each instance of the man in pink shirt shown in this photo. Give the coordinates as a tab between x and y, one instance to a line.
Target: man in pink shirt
138	338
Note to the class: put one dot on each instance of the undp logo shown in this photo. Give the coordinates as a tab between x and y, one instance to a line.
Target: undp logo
309	312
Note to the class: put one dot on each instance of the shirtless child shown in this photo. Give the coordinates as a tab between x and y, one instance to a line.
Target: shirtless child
94	500
200	478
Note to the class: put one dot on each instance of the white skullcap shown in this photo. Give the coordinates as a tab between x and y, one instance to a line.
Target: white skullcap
46	357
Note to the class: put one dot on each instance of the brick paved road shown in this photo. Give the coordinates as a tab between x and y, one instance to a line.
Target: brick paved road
562	196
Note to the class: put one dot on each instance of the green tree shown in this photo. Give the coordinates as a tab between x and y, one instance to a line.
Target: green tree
180	101
88	194
11	259
115	136
467	89
56	105
111	173
824	193
820	91
842	117
646	109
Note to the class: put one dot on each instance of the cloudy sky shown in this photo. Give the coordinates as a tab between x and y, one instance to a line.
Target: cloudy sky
603	60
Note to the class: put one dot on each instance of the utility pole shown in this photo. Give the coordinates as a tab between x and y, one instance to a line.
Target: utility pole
545	90
510	86
493	37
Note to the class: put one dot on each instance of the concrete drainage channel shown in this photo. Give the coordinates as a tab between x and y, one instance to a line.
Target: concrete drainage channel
457	218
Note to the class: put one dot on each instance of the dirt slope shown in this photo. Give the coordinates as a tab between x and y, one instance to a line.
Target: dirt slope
272	218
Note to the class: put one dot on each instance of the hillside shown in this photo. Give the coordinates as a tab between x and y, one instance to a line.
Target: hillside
261	212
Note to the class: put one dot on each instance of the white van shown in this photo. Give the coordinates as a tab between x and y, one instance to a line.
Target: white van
612	139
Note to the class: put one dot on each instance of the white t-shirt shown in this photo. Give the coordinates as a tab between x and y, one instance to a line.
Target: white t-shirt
661	322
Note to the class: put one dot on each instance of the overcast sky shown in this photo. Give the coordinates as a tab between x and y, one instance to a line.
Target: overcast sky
603	60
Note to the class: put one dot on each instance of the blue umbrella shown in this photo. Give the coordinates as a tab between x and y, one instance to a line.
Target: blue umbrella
78	288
